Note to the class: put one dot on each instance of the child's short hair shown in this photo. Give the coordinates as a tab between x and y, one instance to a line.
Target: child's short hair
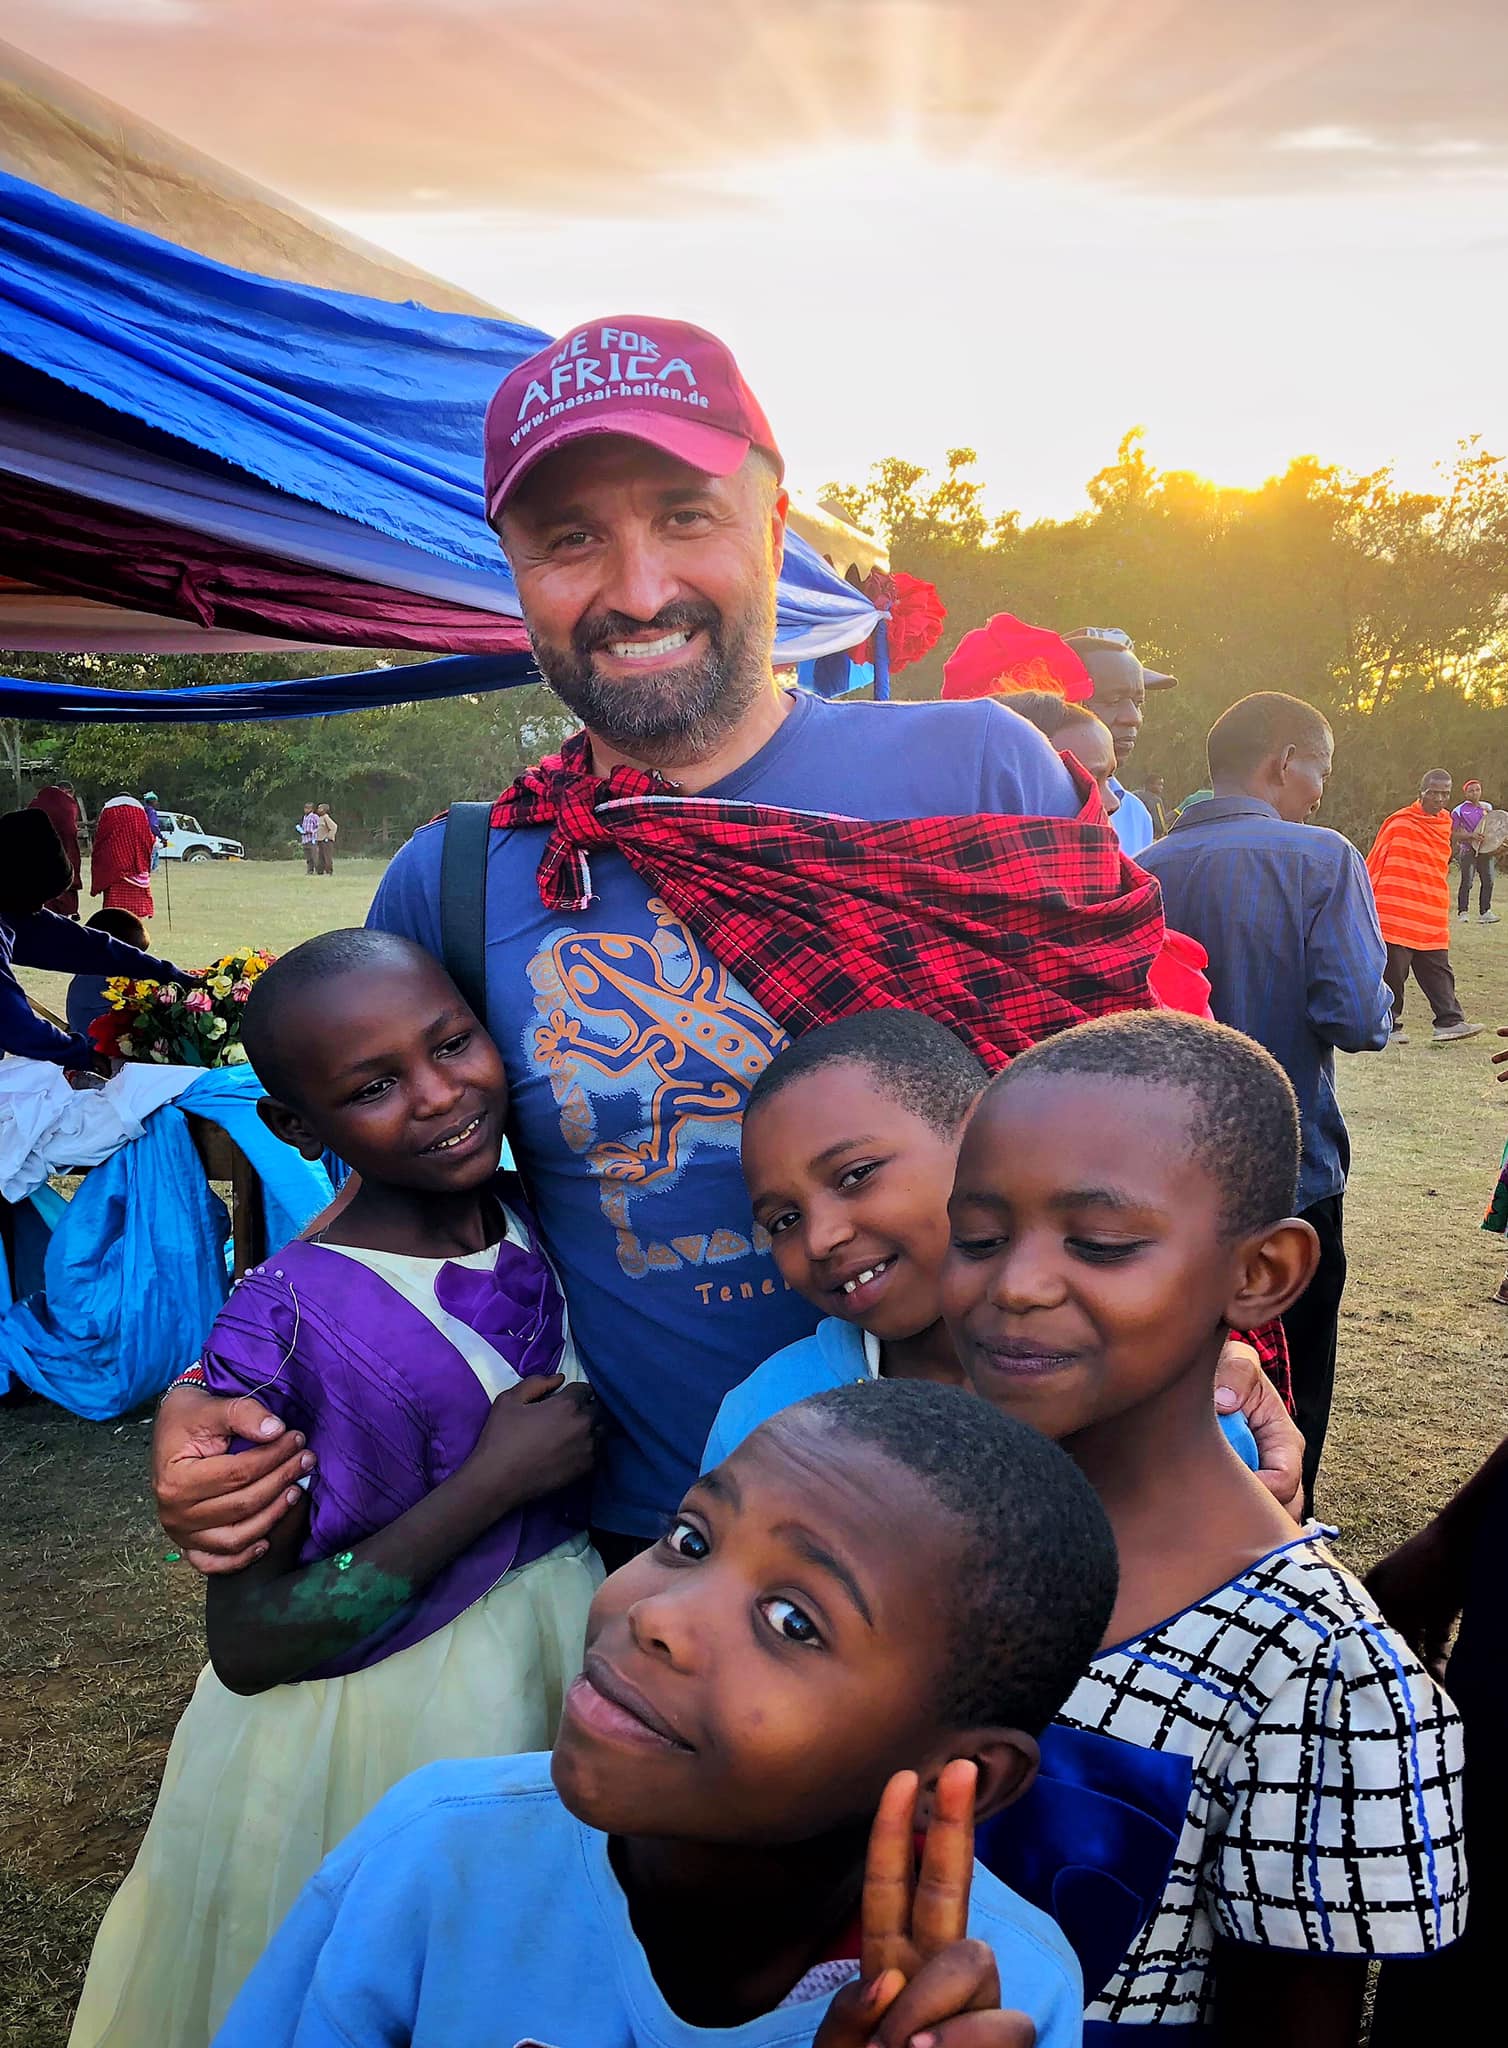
912	1059
1037	1573
1245	1118
271	1048
120	924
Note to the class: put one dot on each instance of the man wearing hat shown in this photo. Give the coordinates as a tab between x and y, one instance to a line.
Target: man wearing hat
1121	683
159	838
714	863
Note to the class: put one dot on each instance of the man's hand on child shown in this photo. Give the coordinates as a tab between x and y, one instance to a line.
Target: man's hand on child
218	1508
922	1982
1240	1383
540	1435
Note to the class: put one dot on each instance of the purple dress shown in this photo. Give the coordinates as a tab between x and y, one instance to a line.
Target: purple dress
391	1406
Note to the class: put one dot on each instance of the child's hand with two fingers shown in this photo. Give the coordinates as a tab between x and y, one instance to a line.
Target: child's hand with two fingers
922	1982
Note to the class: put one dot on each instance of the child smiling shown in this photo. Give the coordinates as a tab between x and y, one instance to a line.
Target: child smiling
427	1596
1123	1193
850	1139
884	1580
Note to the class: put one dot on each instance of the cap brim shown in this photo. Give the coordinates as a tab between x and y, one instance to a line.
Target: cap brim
1153	680
713	450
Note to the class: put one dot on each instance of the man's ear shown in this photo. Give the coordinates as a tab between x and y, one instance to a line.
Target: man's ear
779	518
1275	1266
287	1123
1005	1758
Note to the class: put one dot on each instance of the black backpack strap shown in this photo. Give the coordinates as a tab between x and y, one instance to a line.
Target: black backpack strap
463	901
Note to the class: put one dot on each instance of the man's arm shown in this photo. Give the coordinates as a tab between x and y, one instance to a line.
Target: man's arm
31	1037
46	940
1347	1000
1421	1586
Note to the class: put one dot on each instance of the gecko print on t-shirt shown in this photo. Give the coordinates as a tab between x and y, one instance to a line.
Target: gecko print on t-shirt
651	1048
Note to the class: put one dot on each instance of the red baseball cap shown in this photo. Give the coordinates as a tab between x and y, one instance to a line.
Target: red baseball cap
661	381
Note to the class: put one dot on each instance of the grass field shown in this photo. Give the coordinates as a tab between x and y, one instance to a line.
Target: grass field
99	1642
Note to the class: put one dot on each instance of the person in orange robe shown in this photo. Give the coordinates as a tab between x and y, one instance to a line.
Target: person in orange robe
1410	869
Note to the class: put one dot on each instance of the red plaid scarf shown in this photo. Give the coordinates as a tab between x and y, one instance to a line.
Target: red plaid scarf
1005	929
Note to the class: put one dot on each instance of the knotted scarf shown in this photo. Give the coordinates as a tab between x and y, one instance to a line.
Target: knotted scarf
1004	929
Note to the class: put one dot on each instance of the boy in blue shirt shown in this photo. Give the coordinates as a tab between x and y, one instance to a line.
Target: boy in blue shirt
850	1140
854	1627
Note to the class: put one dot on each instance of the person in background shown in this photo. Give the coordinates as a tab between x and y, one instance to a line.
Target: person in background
1452	1573
308	833
1296	960
1121	683
33	869
1072	729
324	840
1153	795
58	802
1465	839
120	861
86	992
1410	869
1195	796
159	837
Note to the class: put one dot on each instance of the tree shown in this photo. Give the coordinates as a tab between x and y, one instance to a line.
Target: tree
1387	608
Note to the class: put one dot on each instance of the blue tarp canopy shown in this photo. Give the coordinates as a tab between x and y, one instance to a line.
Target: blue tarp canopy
233	449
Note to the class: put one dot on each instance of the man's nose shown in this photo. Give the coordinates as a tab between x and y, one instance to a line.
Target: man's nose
640	579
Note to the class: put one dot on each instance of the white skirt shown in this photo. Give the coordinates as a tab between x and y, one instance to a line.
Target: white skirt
257	1792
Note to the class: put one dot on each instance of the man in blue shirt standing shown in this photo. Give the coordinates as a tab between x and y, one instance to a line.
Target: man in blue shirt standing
1121	684
1284	909
635	486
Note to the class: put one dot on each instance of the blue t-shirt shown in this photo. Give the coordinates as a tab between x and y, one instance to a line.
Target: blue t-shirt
835	1355
471	1910
630	1052
1132	822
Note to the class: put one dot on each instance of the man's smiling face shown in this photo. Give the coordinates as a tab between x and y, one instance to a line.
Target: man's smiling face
648	588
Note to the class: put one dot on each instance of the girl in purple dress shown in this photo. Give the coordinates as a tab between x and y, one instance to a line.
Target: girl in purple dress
428	1596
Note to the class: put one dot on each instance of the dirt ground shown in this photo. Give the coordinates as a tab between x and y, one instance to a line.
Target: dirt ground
100	1640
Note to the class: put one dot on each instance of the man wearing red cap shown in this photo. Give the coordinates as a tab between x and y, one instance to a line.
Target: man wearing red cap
696	877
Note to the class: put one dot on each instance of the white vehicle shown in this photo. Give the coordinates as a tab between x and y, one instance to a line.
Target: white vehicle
186	839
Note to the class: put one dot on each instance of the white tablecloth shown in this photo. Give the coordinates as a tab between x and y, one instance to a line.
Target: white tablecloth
47	1127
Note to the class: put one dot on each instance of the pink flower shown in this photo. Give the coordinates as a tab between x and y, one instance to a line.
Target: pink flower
167	995
240	992
198	999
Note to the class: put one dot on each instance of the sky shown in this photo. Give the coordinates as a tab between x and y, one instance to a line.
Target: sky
1259	228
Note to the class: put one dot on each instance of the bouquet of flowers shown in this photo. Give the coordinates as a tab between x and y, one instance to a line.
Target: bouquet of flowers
193	1023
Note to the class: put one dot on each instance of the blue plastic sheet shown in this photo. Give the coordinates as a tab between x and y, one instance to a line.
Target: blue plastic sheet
133	1278
135	1272
368	410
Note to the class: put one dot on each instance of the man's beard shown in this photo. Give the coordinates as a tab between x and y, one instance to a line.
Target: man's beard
666	716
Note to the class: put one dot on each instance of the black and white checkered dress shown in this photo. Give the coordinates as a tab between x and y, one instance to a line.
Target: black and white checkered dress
1325	1808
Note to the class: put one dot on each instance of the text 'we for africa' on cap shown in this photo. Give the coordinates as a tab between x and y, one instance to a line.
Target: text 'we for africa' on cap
661	381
